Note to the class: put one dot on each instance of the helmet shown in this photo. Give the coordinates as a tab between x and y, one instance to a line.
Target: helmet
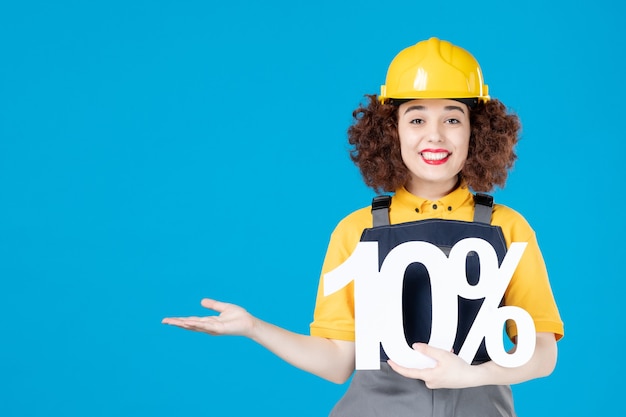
434	69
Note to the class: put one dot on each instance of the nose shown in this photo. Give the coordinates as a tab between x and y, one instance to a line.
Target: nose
434	134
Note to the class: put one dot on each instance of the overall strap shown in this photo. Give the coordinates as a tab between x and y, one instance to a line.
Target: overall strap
380	210
483	205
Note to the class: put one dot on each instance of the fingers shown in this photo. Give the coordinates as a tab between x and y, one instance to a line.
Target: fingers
413	373
184	322
428	350
417	373
208	325
207	303
229	320
399	369
214	305
176	320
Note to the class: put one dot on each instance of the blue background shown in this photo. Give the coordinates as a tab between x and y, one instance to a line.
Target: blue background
153	153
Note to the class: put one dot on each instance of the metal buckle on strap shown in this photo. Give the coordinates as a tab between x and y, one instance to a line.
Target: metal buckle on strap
483	205
380	210
381	202
483	199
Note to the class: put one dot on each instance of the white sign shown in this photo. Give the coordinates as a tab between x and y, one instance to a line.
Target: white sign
378	301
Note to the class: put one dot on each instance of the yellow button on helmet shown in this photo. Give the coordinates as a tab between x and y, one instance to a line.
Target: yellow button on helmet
434	69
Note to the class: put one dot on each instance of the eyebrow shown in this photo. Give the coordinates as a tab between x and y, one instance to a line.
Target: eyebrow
447	108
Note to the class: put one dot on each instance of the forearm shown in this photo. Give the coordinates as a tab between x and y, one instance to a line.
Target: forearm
451	371
329	359
540	365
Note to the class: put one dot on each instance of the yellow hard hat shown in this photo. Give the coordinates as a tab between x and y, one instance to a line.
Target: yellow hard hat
434	69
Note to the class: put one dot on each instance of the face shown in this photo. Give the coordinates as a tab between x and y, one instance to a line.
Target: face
434	140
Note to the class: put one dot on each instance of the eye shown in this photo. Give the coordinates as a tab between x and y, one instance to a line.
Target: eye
453	121
416	121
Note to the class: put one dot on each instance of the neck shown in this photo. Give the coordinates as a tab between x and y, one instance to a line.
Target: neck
432	191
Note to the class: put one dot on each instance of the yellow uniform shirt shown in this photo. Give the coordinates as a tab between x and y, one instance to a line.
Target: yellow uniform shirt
529	287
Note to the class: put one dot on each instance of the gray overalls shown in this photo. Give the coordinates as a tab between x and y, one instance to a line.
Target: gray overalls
384	393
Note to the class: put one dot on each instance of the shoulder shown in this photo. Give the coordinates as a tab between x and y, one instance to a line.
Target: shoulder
355	222
345	237
513	224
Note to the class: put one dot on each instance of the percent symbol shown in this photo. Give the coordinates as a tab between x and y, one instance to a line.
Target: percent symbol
492	317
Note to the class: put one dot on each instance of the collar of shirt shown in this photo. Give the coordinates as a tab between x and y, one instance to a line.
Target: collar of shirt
409	205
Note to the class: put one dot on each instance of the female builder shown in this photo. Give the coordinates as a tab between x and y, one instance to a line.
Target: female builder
430	137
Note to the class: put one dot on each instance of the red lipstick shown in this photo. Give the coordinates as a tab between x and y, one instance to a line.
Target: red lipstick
435	156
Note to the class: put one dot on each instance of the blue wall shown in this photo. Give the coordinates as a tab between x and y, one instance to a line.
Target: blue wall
145	144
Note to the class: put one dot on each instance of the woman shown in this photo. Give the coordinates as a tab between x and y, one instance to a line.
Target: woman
432	135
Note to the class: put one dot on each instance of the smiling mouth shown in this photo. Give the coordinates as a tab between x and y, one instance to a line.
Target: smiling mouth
435	156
